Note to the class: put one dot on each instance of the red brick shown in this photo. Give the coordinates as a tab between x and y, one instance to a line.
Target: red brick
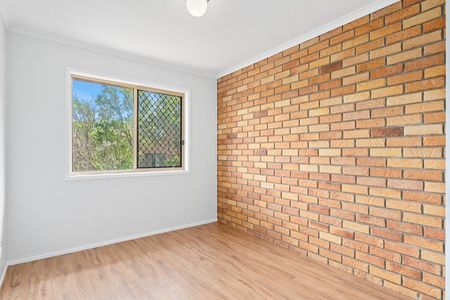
331	67
387	132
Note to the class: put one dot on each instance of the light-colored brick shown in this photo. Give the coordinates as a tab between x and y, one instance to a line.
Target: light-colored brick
355	226
404	56
404	99
386	152
388	91
423	220
424	129
422	18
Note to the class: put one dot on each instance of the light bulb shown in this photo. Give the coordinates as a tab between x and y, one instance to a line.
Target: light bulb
197	8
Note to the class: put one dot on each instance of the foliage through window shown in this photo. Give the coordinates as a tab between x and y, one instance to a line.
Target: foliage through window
121	127
159	130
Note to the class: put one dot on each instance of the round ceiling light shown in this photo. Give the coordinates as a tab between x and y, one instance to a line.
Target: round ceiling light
197	8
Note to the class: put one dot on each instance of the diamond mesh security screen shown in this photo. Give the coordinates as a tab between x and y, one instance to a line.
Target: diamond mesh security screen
159	130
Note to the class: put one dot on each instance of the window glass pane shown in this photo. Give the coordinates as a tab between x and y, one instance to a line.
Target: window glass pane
159	130
102	127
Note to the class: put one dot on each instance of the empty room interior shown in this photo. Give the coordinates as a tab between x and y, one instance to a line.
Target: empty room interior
223	149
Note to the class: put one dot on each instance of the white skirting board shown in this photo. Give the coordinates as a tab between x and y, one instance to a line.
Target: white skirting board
101	244
3	274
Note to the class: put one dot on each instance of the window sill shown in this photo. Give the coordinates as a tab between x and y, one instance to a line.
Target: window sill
75	176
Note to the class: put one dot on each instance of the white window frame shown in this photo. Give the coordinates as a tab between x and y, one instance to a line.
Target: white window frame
71	175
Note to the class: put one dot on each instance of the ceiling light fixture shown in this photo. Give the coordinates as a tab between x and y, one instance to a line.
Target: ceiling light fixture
197	8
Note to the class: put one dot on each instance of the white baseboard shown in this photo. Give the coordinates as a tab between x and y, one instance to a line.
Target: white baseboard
105	243
2	278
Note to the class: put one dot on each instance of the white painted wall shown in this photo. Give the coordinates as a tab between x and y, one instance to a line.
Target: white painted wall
2	147
46	213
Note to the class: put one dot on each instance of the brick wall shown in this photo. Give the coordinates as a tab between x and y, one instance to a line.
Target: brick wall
334	148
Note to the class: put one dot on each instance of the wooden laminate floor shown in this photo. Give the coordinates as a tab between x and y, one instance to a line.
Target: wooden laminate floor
206	262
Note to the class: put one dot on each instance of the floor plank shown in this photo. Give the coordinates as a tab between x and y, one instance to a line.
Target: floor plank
206	262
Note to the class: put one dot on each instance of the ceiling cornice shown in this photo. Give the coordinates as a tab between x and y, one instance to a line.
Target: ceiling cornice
368	9
111	52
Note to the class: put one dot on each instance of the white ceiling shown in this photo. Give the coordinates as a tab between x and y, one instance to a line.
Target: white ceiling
232	31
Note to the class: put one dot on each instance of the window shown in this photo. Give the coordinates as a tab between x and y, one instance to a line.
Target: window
125	128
